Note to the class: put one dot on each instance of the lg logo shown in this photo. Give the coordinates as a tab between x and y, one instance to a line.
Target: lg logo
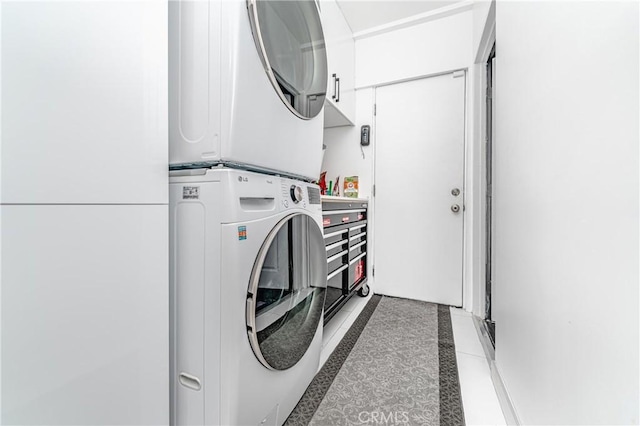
243	179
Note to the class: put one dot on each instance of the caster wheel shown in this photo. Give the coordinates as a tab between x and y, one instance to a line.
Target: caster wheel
364	291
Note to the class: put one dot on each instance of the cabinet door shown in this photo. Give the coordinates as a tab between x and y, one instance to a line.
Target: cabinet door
340	101
84	102
85	317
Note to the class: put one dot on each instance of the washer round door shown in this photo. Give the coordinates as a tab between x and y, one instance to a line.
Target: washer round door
290	41
286	292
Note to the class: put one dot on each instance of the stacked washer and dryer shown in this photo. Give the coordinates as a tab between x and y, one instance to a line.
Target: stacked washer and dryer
248	265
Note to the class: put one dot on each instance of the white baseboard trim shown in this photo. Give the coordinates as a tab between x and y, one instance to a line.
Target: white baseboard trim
508	410
510	414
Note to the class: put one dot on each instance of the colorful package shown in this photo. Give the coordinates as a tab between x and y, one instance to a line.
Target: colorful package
351	186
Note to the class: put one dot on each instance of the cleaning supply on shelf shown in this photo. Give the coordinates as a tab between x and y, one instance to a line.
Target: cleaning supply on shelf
323	183
336	188
351	186
330	187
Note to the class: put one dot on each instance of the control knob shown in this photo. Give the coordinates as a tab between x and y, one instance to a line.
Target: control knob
296	193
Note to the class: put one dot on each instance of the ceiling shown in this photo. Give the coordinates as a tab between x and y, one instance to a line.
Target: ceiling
365	14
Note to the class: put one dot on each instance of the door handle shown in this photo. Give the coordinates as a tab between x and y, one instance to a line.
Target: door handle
335	86
455	208
338	83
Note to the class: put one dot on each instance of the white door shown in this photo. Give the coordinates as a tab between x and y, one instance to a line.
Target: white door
419	165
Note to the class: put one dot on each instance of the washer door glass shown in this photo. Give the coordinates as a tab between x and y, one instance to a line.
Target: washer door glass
286	292
290	41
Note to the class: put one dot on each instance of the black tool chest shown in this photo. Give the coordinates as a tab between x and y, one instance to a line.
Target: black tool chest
345	239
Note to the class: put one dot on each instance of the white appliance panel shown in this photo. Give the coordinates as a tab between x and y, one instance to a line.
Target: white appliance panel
195	253
223	105
84	93
251	391
230	205
85	336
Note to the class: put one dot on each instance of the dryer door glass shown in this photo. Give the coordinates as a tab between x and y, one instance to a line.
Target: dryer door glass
286	292
289	38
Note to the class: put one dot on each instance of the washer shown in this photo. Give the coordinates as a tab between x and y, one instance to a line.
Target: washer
247	84
248	281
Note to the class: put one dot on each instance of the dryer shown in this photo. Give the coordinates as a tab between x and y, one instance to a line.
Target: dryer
247	84
248	282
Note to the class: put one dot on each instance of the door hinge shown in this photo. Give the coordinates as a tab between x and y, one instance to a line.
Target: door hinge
373	271
374	190
375	109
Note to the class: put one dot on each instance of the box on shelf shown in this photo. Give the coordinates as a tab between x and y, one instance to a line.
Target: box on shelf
351	186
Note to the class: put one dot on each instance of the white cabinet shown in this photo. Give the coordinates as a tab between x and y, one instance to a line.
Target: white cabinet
84	102
85	314
339	108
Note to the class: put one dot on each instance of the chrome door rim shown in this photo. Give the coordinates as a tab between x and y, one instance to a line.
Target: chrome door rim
255	281
262	52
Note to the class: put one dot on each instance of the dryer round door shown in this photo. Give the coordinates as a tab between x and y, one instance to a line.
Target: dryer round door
286	292
289	38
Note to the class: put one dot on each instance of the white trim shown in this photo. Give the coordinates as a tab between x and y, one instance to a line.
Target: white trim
488	36
479	93
1	230
421	18
467	196
508	410
405	80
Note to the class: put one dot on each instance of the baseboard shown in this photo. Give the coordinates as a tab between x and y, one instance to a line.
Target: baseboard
510	415
508	410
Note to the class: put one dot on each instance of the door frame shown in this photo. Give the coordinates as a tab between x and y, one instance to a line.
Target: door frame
488	211
466	284
480	131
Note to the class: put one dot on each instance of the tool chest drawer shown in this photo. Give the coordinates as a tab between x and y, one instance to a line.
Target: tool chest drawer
345	238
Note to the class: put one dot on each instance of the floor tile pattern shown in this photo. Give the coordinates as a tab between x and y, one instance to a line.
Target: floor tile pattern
450	398
399	368
306	408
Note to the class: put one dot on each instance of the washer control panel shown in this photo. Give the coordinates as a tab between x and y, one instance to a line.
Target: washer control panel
295	194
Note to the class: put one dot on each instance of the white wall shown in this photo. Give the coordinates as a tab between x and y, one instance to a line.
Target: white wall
566	207
432	47
344	156
428	48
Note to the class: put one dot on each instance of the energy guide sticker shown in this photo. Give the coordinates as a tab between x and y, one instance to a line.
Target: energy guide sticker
242	233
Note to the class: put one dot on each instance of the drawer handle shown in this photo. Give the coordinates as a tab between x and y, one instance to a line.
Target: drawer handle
333	234
337	271
358	236
355	259
334	212
334	245
355	228
336	256
352	248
